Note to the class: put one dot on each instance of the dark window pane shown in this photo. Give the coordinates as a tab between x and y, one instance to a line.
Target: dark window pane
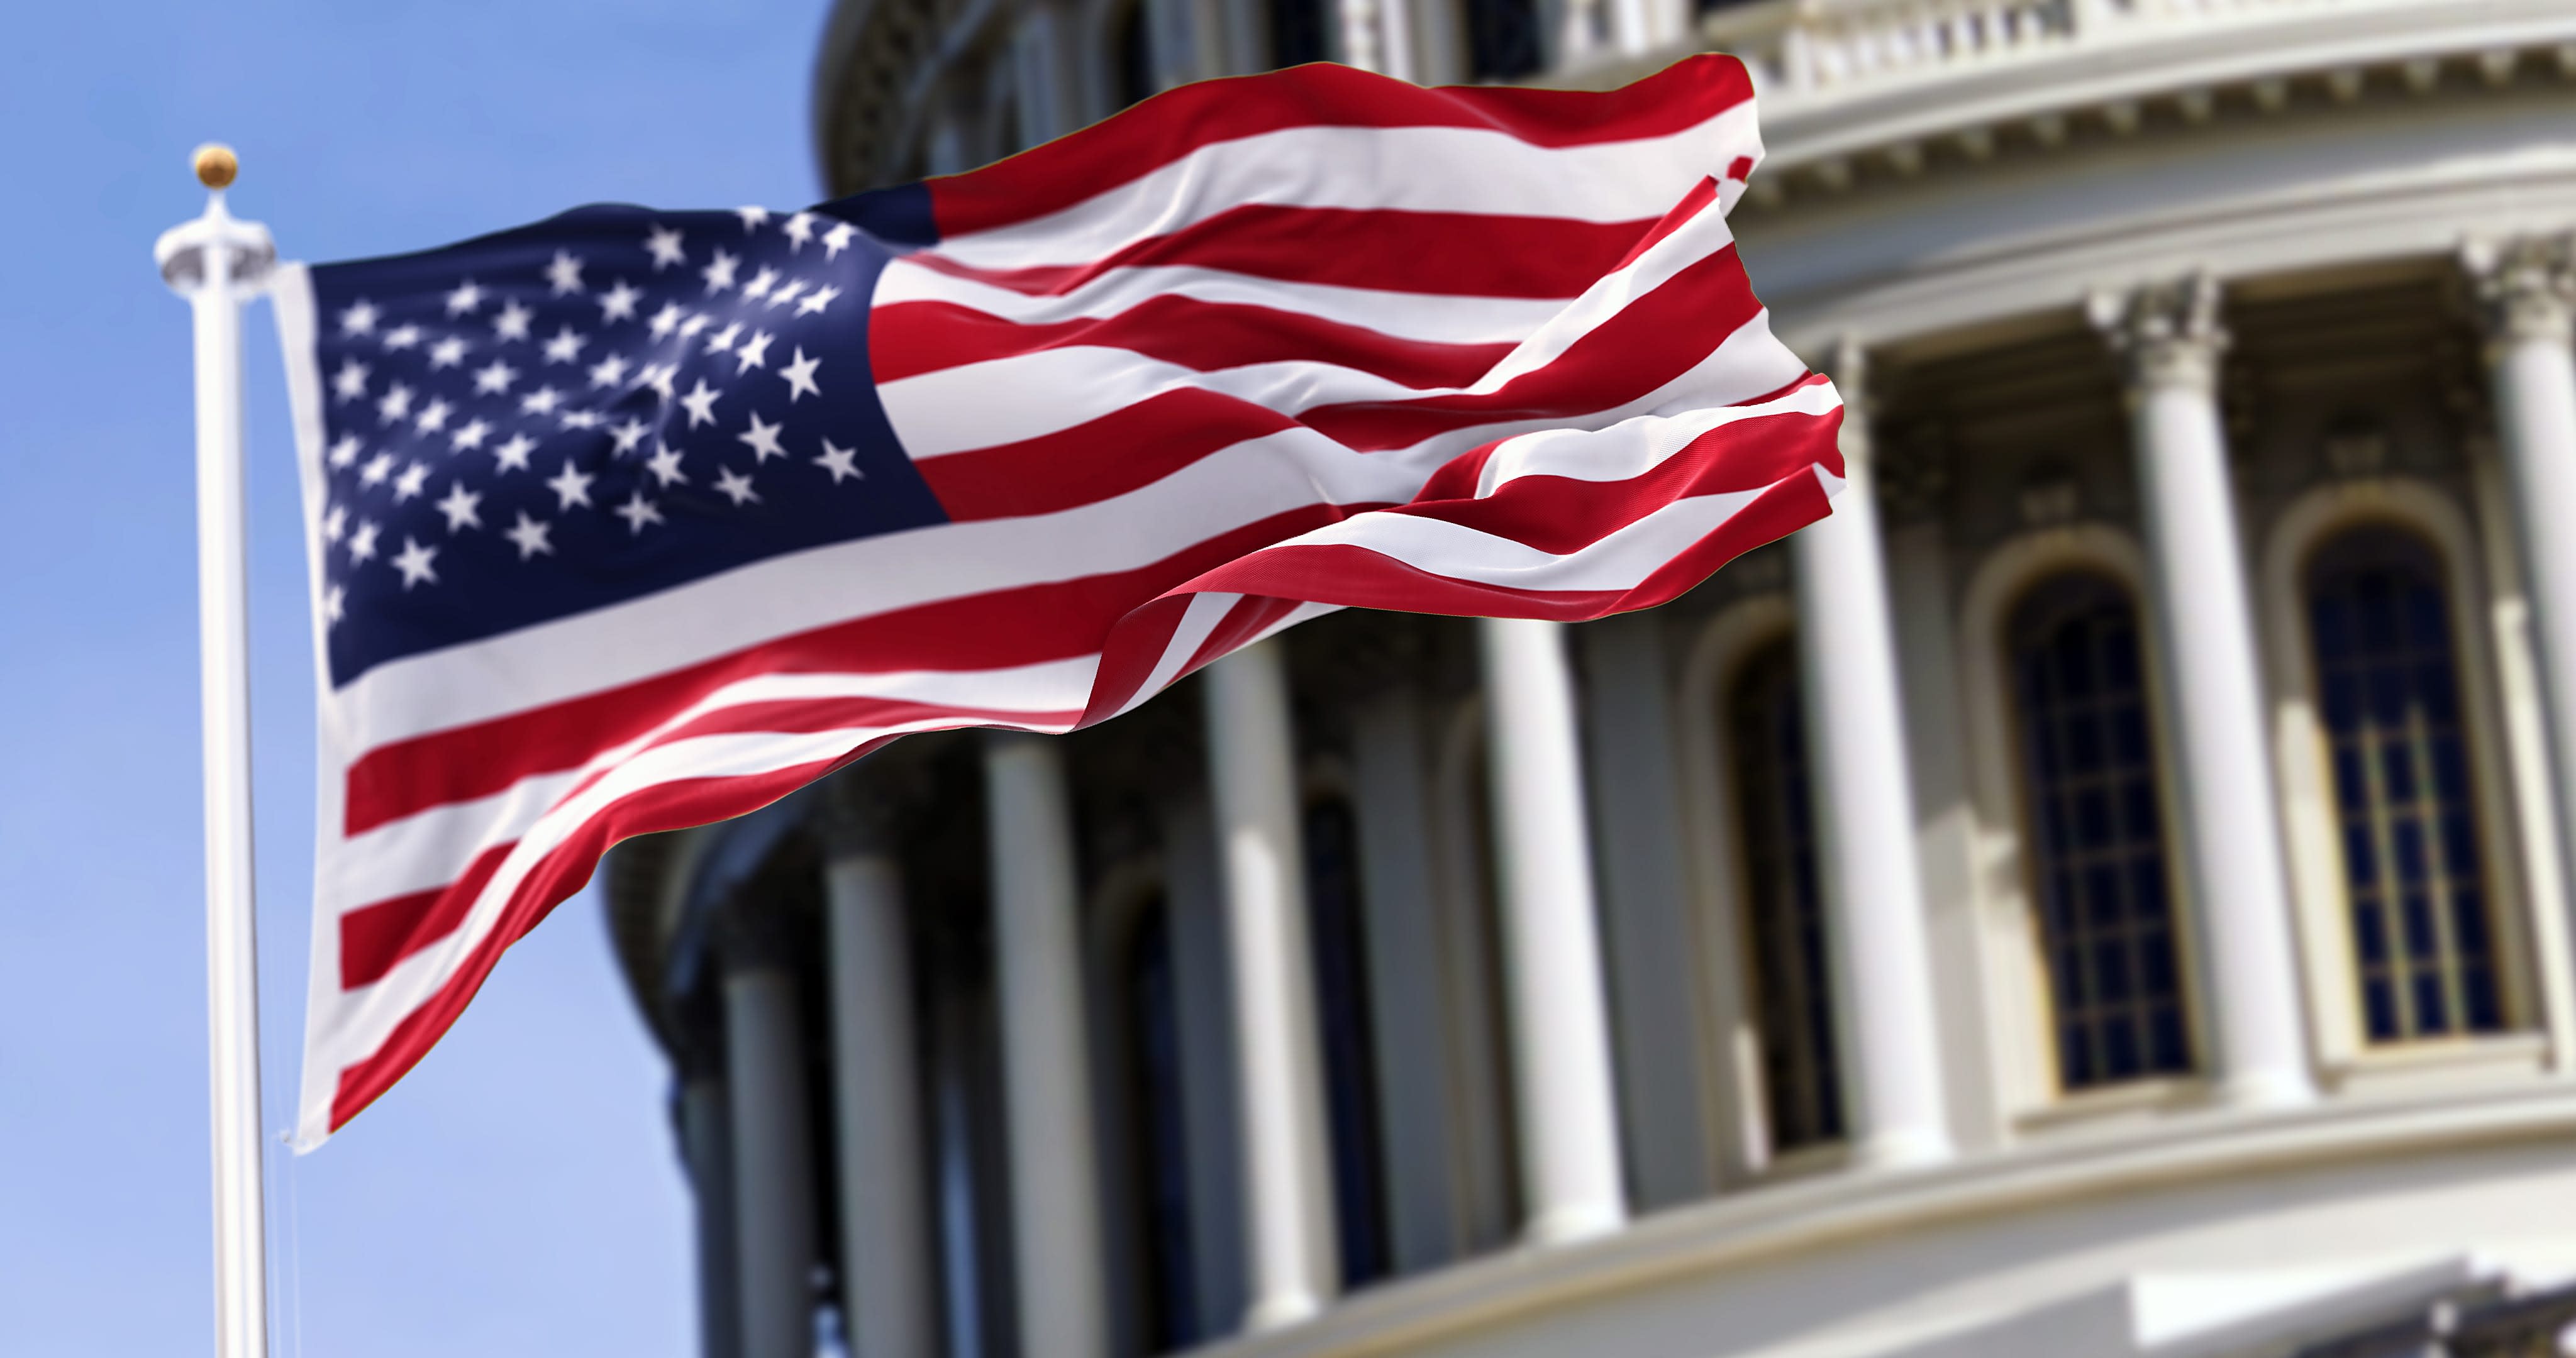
1297	32
1338	943
1502	39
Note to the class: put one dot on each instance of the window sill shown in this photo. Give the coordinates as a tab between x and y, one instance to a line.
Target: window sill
2127	1104
2413	1066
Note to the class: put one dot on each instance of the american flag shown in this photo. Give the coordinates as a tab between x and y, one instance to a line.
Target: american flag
634	520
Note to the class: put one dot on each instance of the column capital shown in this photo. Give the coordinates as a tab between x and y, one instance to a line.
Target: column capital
2165	334
2525	287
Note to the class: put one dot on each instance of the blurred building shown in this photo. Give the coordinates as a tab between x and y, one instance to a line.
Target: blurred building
2103	893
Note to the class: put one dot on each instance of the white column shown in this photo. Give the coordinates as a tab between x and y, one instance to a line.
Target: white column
1885	1020
2170	340
1362	39
886	1282
1563	1090
1290	1254
1055	1196
2530	295
773	1179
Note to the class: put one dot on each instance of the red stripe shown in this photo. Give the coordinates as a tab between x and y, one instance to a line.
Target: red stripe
1701	195
1644	345
1028	624
1160	130
1459	254
563	871
1128	448
907	339
375	937
1356	577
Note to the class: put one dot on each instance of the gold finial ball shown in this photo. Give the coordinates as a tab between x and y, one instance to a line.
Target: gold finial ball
216	165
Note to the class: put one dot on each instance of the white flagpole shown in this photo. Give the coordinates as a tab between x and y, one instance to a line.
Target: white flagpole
217	263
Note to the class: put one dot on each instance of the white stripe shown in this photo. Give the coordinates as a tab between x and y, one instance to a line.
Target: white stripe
1430	318
1619	560
1198	621
1633	446
1444	169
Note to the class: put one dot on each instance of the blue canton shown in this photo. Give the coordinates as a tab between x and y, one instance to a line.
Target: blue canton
602	405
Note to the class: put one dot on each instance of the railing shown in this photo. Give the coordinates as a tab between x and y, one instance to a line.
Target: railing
1823	49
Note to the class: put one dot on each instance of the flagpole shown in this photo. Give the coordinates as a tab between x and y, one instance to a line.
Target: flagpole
217	263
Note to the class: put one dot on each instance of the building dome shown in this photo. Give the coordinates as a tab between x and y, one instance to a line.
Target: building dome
2104	892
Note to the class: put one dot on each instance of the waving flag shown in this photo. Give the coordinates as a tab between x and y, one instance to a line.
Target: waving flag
633	520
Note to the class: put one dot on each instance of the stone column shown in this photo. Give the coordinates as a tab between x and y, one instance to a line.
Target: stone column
2169	340
2529	292
773	1168
1560	1026
1290	1250
886	1283
1037	937
1885	1021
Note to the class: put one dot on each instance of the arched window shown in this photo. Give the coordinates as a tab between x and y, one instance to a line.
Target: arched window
1345	1024
1502	39
2095	828
1297	32
2389	680
1148	1013
1784	918
1132	73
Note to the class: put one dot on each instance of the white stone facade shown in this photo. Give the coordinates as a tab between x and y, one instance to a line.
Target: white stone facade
2104	893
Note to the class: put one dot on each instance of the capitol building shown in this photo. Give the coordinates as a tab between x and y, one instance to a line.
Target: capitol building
2104	892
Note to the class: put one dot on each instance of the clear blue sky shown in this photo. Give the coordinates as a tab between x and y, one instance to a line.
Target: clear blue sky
518	1195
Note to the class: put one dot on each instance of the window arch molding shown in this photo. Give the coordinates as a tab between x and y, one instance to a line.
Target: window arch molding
2015	982
2531	943
1740	1115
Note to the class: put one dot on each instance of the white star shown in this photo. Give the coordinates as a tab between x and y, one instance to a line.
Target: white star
660	377
580	419
462	507
799	229
362	543
723	339
410	482
689	328
466	297
618	303
564	273
665	466
571	486
512	323
359	318
637	511
542	401
344	450
433	417
494	378
609	371
719	272
701	402
470	437
447	353
513	455
402	336
800	376
666	320
763	438
413	561
530	536
377	469
761	283
565	347
335	522
839	461
663	243
754	352
816	300
734	487
350	382
335	601
837	239
394	405
786	292
629	435
752	217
